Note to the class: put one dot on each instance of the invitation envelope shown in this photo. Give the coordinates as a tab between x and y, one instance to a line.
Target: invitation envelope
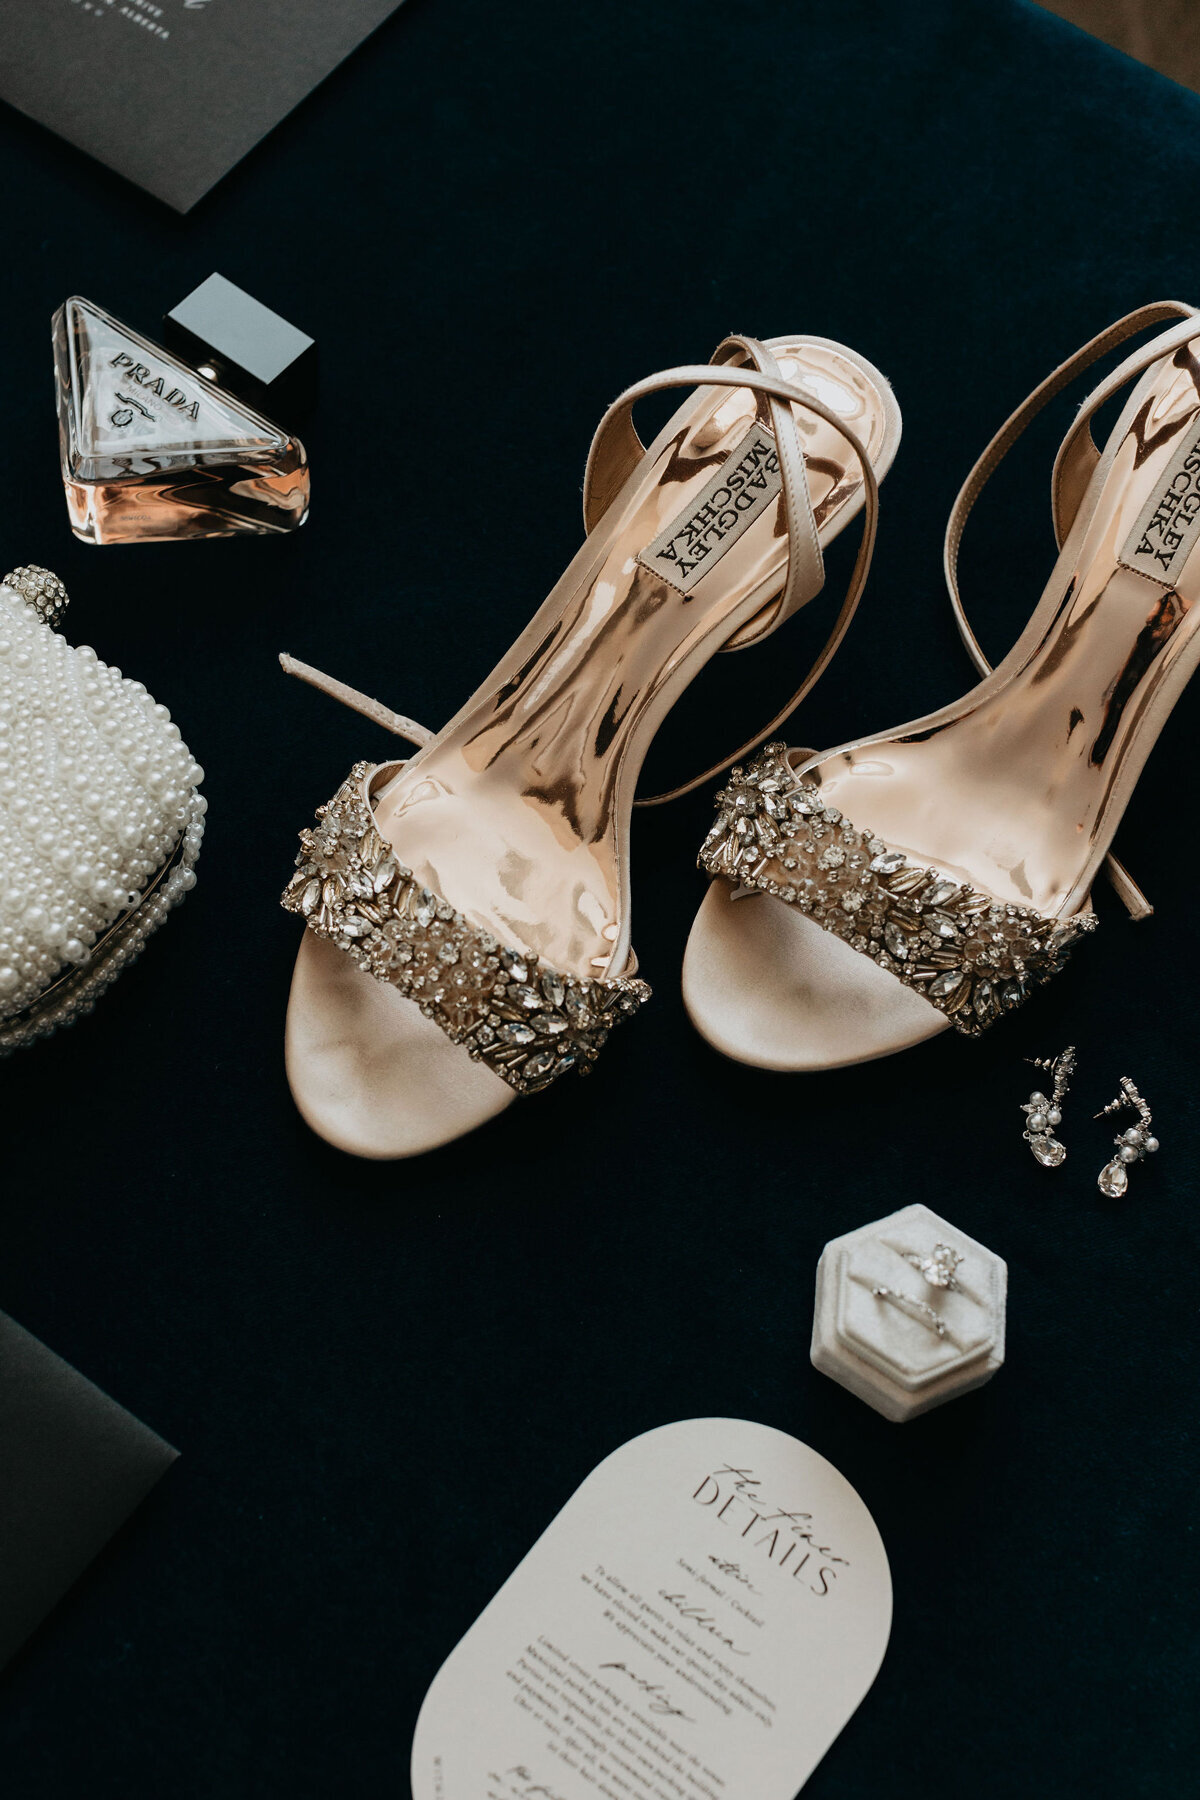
73	1466
173	93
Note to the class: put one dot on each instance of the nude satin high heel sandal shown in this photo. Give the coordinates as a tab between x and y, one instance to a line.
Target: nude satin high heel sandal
468	909
869	898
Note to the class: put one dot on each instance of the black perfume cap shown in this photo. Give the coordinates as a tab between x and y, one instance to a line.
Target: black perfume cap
242	345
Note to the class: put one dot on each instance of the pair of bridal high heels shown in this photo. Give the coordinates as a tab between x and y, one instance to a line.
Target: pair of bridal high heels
468	907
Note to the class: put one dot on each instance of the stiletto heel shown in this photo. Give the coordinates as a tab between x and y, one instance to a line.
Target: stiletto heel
468	909
874	896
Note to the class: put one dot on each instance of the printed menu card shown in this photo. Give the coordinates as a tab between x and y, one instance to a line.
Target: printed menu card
698	1623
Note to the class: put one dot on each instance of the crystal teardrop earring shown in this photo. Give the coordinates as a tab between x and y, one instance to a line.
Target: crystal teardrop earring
1042	1114
1132	1146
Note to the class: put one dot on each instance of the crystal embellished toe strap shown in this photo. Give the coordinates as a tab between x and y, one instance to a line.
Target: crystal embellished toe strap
972	956
527	1022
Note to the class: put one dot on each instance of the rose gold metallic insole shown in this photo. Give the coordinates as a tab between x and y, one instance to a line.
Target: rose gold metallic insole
518	812
1017	788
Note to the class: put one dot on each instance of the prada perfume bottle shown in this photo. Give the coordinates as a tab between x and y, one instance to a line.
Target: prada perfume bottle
155	447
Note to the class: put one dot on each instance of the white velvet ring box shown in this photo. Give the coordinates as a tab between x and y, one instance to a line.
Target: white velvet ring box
886	1348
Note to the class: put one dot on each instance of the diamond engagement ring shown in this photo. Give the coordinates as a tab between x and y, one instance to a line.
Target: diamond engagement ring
939	1267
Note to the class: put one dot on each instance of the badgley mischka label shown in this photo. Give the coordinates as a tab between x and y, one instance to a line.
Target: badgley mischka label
1169	524
741	490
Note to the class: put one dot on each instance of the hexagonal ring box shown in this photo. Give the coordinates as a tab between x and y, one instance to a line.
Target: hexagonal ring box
923	1341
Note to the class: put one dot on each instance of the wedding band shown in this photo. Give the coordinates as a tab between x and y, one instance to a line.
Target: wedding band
915	1309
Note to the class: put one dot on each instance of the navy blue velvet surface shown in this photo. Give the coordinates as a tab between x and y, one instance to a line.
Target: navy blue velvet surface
384	1381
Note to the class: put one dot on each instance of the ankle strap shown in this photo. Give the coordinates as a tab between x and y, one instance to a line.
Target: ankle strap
358	702
617	449
1078	456
1074	466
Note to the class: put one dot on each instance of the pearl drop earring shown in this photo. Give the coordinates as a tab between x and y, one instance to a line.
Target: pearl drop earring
1043	1115
1132	1146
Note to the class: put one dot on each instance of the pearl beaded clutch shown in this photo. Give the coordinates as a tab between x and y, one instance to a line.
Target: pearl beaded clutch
100	821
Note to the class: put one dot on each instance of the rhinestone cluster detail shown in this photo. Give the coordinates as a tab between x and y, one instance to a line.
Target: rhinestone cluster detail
972	956
1132	1146
506	1007
41	589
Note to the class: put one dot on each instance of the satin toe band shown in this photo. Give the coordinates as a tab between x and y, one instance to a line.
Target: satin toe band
972	956
507	1009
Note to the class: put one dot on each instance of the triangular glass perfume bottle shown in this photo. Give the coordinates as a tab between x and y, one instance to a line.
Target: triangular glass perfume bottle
150	449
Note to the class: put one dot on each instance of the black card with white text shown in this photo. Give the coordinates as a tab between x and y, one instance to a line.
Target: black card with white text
173	93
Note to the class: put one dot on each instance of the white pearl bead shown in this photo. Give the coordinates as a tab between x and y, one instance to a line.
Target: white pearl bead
97	791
